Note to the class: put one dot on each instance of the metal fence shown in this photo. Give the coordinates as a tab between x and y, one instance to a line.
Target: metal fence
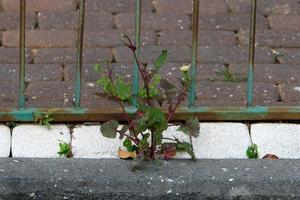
77	114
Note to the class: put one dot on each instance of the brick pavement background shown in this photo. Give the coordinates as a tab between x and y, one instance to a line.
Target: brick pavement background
224	28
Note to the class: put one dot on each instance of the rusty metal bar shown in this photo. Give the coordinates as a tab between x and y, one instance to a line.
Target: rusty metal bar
22	55
251	59
79	54
195	31
282	113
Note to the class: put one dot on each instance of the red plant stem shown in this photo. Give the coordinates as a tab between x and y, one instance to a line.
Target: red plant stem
129	121
180	97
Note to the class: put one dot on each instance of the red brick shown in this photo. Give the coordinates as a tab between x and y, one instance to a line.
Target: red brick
234	54
186	6
283	22
150	53
206	54
91	97
8	93
47	94
230	22
270	73
34	72
11	55
154	21
68	55
216	93
206	38
288	56
116	6
93	20
266	7
272	38
39	5
89	74
41	38
11	20
111	38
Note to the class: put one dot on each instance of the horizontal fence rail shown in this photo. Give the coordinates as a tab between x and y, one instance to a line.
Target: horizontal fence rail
78	114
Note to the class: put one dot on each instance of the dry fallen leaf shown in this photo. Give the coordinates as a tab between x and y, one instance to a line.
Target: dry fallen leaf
270	157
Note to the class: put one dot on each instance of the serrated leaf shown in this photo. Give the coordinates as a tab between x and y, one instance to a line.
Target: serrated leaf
64	149
161	60
109	129
123	90
190	127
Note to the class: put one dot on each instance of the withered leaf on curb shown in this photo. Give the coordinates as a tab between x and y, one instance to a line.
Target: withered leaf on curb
270	157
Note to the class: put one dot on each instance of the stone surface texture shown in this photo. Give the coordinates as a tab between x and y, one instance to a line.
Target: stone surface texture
5	141
278	139
37	141
109	179
88	142
222	140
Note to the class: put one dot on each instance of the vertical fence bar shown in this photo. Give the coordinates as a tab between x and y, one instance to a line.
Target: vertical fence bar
79	54
138	11
192	94
22	55
251	59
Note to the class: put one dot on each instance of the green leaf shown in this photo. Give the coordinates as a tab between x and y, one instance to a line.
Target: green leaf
143	144
106	84
141	125
123	90
157	120
187	147
161	60
64	149
252	151
98	68
109	129
158	137
190	127
127	144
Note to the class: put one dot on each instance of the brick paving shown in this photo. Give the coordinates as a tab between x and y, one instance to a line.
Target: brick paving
223	31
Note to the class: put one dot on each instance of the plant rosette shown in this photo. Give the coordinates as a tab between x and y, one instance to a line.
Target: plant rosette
156	102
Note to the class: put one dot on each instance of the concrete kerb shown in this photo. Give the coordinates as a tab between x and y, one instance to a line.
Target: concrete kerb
176	179
215	141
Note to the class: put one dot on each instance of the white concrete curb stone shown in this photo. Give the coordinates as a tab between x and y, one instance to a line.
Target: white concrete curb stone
37	141
5	139
222	140
88	142
280	139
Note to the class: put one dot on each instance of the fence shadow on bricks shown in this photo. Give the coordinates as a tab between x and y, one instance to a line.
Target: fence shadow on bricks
206	86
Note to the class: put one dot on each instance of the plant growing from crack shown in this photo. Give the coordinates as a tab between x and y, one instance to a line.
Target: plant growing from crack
144	129
65	149
229	76
44	118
